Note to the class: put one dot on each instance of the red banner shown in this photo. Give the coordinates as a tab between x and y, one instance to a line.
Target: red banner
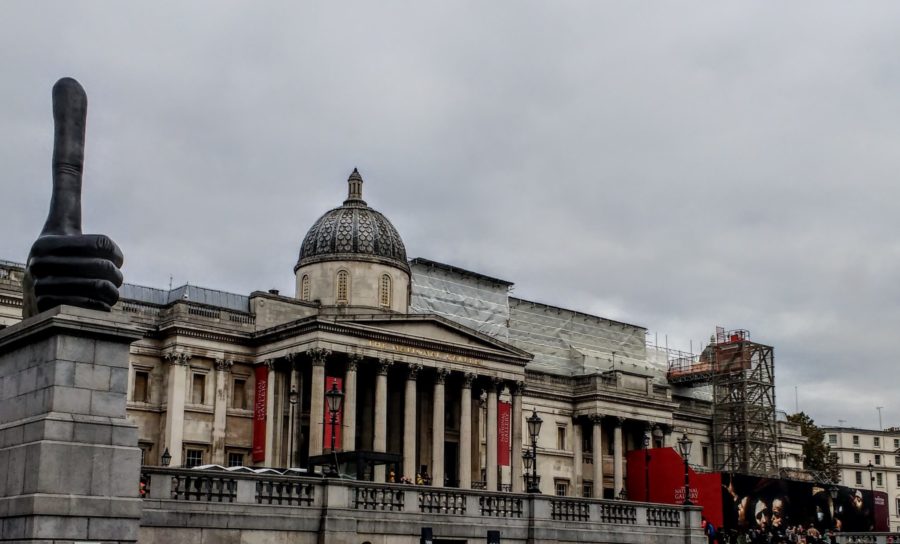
504	420
259	414
340	415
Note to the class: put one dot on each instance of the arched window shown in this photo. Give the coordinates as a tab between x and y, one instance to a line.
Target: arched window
386	294
343	287
304	287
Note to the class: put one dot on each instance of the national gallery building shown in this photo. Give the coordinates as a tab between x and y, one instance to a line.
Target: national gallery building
438	369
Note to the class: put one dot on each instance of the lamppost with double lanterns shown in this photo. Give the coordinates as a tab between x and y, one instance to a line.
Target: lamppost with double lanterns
871	468
528	461
684	449
293	397
534	429
647	466
652	435
333	398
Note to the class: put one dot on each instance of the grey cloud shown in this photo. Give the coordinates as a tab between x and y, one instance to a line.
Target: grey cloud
679	167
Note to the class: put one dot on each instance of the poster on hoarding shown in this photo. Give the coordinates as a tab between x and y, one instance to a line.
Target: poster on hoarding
770	504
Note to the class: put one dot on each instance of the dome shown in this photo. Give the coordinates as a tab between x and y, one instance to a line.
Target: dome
353	232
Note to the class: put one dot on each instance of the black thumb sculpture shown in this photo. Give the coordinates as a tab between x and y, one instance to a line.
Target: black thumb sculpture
64	265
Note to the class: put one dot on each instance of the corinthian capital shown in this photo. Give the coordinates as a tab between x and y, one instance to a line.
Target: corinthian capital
353	361
224	365
318	356
383	366
174	357
413	371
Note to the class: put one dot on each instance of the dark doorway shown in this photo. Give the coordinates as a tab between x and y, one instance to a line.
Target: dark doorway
451	463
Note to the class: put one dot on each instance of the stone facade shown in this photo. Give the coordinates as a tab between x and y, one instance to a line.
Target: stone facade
426	367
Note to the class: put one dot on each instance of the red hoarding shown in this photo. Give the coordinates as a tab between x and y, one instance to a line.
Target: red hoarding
259	414
329	380
503	427
666	472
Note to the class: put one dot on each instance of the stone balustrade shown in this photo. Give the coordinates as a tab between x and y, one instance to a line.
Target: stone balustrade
198	505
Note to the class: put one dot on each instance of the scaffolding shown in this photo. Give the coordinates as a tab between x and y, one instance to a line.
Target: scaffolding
742	375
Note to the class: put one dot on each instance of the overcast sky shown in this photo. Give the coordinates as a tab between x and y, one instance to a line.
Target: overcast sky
674	165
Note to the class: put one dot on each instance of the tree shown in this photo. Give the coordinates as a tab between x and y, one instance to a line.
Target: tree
816	453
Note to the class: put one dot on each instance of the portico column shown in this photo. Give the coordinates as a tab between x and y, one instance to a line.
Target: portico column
223	367
618	475
437	429
577	458
518	481
348	436
379	442
293	412
597	446
318	356
465	433
409	424
491	462
270	413
178	369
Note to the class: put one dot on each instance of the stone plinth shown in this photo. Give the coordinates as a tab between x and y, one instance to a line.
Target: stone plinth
69	462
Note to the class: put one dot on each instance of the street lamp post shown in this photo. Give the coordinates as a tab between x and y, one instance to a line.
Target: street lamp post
334	397
684	449
528	461
871	468
166	458
647	467
534	429
293	397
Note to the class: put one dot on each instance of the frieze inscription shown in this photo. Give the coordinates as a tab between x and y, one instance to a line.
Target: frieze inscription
421	352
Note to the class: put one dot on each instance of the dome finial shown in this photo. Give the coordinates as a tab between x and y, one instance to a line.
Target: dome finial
354	192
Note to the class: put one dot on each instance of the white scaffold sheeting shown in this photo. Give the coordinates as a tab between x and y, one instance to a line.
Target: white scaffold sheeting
475	303
571	343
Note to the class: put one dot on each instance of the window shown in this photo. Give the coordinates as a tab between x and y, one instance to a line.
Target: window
141	391
833	456
879	479
897	460
561	437
832	439
193	458
705	455
386	291
898	505
198	389
343	287
235	459
877	459
239	394
561	486
587	489
304	287
858	477
856	440
898	485
876	441
896	443
856	458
